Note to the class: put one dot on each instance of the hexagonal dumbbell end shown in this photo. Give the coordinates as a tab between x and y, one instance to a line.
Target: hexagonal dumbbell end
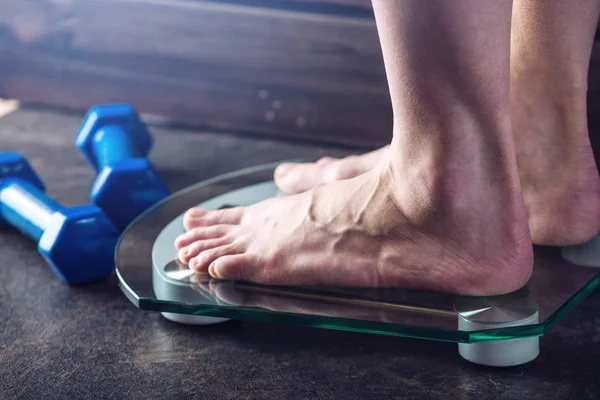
13	165
127	189
79	244
132	139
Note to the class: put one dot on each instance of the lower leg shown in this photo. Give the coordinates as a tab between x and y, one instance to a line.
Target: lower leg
452	153
551	45
443	209
550	53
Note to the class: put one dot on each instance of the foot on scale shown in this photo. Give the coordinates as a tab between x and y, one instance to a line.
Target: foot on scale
471	313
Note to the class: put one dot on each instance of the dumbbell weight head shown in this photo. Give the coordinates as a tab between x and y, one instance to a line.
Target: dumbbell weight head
116	143
121	115
78	243
127	189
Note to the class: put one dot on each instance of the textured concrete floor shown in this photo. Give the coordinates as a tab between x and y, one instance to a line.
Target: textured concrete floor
60	342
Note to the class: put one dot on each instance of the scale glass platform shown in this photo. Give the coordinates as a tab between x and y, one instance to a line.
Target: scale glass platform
499	330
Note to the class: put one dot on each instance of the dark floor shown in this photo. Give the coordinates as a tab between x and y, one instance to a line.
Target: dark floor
58	342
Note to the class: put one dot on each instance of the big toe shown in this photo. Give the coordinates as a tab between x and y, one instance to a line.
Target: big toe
235	267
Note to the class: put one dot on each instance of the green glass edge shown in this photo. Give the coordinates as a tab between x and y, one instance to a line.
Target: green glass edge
314	321
364	326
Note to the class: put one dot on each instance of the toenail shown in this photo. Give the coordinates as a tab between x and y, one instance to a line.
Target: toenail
283	169
194	212
212	270
185	252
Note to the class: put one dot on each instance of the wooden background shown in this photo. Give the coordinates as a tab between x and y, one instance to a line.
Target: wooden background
309	69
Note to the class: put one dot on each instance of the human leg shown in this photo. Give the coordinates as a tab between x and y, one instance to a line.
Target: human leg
442	211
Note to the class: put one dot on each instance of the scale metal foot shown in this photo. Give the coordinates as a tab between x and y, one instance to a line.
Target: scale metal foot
496	313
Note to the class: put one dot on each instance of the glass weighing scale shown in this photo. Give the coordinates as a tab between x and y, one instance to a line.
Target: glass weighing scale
495	331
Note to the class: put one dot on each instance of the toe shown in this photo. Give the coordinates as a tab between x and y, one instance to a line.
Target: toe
203	233
197	217
196	248
297	178
201	262
283	169
234	267
326	160
347	168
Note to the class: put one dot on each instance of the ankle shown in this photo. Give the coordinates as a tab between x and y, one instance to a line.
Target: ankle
561	105
489	234
447	168
544	73
551	136
459	195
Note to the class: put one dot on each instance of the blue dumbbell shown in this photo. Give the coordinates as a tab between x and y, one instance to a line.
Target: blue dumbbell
116	143
78	242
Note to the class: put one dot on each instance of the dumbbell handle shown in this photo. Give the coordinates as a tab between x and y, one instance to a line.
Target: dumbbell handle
26	207
111	144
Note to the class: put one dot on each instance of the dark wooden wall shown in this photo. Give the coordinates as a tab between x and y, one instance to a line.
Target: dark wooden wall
309	69
312	69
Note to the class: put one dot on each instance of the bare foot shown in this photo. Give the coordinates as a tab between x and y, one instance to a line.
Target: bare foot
551	45
442	211
297	178
559	177
364	232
